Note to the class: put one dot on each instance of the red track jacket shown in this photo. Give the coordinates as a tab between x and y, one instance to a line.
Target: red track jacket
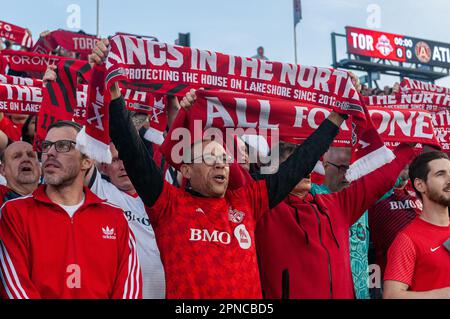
303	244
44	253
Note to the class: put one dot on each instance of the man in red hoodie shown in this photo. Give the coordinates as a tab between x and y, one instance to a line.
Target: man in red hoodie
303	243
63	241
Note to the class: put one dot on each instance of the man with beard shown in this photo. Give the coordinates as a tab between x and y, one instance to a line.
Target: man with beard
113	185
63	241
20	167
418	263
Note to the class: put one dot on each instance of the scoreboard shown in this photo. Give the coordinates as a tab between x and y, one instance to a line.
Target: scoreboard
396	47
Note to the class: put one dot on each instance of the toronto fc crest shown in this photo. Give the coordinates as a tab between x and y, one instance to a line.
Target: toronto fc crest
384	46
235	215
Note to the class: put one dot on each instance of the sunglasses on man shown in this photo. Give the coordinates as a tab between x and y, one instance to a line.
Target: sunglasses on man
341	168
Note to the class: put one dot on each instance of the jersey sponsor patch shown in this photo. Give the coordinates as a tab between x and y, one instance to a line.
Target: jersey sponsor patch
243	237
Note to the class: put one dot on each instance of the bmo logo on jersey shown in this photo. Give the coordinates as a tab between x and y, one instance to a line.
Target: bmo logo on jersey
240	232
406	204
205	235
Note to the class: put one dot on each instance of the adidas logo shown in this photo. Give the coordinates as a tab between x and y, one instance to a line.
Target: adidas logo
108	233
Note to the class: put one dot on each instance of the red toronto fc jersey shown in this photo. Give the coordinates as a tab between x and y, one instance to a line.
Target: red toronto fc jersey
418	258
207	245
388	217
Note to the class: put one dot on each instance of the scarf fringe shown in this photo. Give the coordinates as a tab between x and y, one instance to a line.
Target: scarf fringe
93	148
370	162
154	136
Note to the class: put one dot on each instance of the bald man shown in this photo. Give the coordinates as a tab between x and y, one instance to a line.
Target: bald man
336	162
21	168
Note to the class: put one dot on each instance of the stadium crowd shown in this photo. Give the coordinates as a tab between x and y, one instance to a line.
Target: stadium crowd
139	227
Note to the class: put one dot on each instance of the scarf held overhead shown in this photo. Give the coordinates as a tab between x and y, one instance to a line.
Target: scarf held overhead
293	121
30	61
80	43
170	69
410	85
24	96
60	97
15	34
436	104
93	140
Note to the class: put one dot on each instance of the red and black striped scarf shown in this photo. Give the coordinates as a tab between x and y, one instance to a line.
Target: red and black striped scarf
60	97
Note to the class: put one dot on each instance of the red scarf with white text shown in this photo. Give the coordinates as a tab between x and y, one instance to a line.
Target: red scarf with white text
293	121
93	140
16	34
60	97
80	43
30	61
436	104
169	69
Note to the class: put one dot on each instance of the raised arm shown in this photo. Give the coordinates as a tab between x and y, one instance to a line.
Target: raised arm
365	191
145	175
302	161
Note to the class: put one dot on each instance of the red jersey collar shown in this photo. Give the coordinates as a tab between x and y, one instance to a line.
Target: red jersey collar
89	197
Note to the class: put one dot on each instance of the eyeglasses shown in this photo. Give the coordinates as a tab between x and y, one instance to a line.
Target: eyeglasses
61	146
211	160
341	168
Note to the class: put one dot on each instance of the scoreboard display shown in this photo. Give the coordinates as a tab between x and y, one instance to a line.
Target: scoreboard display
396	47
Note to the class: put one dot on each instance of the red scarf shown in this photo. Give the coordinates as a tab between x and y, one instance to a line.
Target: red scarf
369	153
3	64
166	68
16	34
93	140
435	104
18	80
20	99
410	85
411	100
60	97
83	44
32	62
26	98
294	122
